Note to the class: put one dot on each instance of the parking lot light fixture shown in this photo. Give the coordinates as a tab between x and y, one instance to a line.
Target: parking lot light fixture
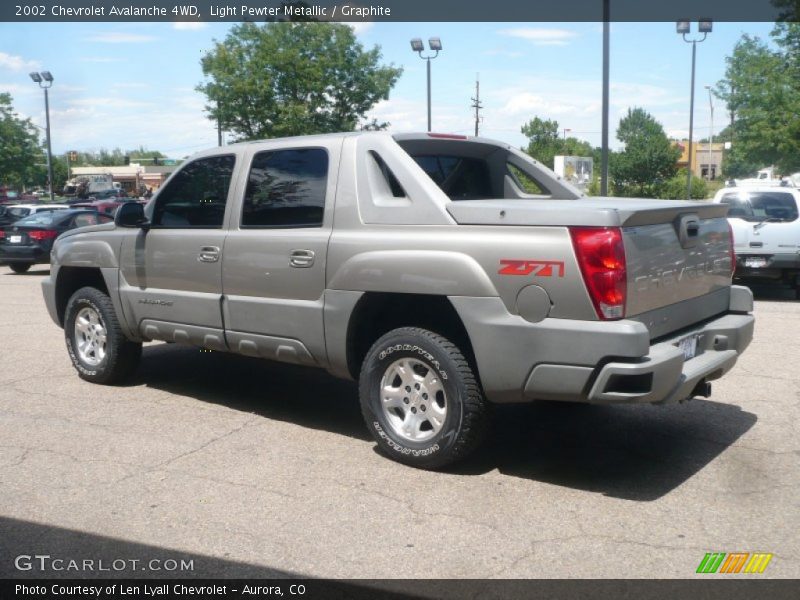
435	44
45	81
683	27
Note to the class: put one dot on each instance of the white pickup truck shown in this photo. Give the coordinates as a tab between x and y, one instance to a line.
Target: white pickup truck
765	220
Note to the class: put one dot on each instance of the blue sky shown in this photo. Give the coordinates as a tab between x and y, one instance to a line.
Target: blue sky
130	84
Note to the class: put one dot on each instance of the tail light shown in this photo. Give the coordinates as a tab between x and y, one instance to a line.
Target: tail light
731	251
43	234
601	257
2	234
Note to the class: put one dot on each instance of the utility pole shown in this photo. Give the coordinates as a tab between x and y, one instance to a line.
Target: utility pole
476	102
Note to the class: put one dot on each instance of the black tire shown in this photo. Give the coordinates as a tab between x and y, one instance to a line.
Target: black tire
465	418
20	268
121	355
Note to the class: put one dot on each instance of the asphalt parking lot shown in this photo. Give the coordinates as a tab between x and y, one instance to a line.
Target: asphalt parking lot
258	469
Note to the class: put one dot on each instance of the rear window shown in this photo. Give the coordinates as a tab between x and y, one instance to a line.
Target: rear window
19	212
461	178
761	206
42	219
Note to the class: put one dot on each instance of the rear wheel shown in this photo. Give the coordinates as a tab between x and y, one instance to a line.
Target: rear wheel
99	350
420	399
20	267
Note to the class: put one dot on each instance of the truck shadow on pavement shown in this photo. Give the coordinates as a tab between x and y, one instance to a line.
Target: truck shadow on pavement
636	453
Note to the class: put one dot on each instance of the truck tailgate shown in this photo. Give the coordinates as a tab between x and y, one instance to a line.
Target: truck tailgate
678	253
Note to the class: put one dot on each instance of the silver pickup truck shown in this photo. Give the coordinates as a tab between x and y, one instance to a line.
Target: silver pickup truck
440	272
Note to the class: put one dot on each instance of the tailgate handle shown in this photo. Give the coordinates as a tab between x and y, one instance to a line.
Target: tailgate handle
688	230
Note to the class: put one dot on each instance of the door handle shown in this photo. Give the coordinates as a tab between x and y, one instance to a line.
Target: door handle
301	259
208	254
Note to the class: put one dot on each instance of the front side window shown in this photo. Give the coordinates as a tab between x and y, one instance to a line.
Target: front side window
286	188
196	196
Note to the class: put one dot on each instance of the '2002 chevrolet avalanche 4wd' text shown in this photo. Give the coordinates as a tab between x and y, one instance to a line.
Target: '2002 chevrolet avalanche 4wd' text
440	272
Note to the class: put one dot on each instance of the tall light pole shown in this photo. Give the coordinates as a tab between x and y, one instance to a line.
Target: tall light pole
435	44
45	81
604	139
684	27
711	135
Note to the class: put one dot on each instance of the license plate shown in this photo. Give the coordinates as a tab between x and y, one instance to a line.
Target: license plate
15	239
755	262
688	346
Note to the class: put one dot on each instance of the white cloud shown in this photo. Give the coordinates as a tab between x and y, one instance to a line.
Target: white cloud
361	27
120	37
13	88
506	53
100	59
131	85
540	36
189	25
528	103
17	63
109	102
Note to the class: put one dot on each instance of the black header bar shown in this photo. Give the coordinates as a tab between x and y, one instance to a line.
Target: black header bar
395	10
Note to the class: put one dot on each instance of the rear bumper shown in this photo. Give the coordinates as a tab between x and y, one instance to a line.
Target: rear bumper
664	376
600	362
23	254
775	264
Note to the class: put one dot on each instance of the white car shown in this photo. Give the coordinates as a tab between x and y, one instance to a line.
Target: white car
15	212
766	230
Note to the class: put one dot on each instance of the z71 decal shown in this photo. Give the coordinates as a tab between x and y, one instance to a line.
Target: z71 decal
538	268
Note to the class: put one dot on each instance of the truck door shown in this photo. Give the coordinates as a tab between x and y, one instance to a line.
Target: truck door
171	275
273	275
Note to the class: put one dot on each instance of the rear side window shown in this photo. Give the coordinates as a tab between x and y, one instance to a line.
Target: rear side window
760	206
196	196
461	178
286	188
525	182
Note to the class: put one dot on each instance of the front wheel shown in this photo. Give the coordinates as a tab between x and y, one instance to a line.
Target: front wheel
420	399
99	350
20	268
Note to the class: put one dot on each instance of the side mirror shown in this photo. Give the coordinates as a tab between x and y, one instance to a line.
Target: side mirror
131	214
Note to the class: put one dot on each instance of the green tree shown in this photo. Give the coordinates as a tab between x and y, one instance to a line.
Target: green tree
38	176
20	150
648	159
544	142
761	88
282	79
675	188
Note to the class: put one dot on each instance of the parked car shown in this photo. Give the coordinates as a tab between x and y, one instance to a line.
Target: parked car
418	265
14	212
765	221
29	240
8	196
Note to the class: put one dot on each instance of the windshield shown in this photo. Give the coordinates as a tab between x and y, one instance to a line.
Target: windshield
761	206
